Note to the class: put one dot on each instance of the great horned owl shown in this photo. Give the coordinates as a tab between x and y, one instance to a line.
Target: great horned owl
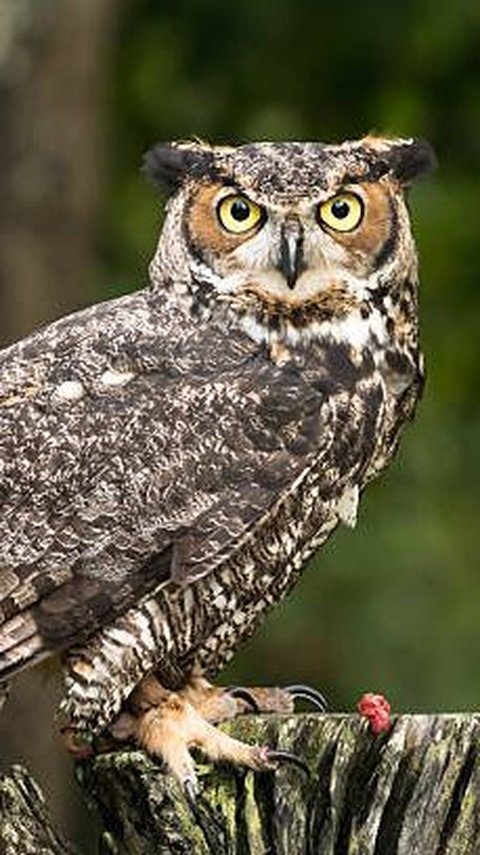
171	459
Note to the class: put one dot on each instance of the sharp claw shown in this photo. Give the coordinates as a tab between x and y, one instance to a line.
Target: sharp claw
308	694
288	757
244	695
77	743
190	790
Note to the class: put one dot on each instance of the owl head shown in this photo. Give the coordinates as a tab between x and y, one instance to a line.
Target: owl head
290	237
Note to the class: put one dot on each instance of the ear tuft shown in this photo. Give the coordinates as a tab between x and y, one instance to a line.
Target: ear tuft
410	159
168	164
164	166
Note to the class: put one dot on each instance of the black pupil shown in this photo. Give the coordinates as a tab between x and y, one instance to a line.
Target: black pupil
240	211
340	209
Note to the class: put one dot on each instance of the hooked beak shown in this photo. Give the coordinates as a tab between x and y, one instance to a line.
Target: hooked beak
291	262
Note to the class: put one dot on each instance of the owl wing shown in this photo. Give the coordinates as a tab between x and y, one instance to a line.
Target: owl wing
135	447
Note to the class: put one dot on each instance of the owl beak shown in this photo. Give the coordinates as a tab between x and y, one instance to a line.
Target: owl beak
291	262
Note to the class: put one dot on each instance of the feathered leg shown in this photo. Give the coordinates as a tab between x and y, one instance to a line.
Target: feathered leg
169	724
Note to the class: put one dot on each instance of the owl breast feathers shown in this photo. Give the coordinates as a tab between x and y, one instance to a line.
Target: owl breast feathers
171	459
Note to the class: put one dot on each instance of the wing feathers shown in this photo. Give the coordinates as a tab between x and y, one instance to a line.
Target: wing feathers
97	494
20	643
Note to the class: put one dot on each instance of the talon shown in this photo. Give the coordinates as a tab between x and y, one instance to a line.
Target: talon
77	744
307	693
170	725
243	695
190	790
288	757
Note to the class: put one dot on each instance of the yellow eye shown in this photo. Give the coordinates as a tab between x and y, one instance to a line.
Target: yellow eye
342	213
237	214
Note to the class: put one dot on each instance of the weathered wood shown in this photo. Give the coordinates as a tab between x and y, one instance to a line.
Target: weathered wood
25	827
414	791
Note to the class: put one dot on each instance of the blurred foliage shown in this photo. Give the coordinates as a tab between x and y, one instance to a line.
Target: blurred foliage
393	606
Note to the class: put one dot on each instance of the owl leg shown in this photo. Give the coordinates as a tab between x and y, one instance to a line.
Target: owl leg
169	724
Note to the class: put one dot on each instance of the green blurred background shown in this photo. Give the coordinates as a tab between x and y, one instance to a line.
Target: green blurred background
393	606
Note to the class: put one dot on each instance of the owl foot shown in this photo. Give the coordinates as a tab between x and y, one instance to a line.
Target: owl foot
169	724
217	704
278	700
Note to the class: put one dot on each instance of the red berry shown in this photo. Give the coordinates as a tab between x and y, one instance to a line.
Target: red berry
377	710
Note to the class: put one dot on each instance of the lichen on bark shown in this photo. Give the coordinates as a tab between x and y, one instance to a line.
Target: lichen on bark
413	791
25	826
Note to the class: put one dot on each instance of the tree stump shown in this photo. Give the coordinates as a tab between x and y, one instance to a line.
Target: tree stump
25	827
413	791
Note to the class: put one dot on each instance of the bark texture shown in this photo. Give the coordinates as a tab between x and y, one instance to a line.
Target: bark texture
25	827
414	791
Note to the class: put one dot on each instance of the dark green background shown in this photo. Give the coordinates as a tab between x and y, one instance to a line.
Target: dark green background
394	605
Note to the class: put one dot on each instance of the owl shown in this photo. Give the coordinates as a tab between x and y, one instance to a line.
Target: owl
171	459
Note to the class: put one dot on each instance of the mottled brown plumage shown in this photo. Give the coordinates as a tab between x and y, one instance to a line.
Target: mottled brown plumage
171	459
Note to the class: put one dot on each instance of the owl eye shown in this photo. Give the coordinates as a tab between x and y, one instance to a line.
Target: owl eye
342	213
238	214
